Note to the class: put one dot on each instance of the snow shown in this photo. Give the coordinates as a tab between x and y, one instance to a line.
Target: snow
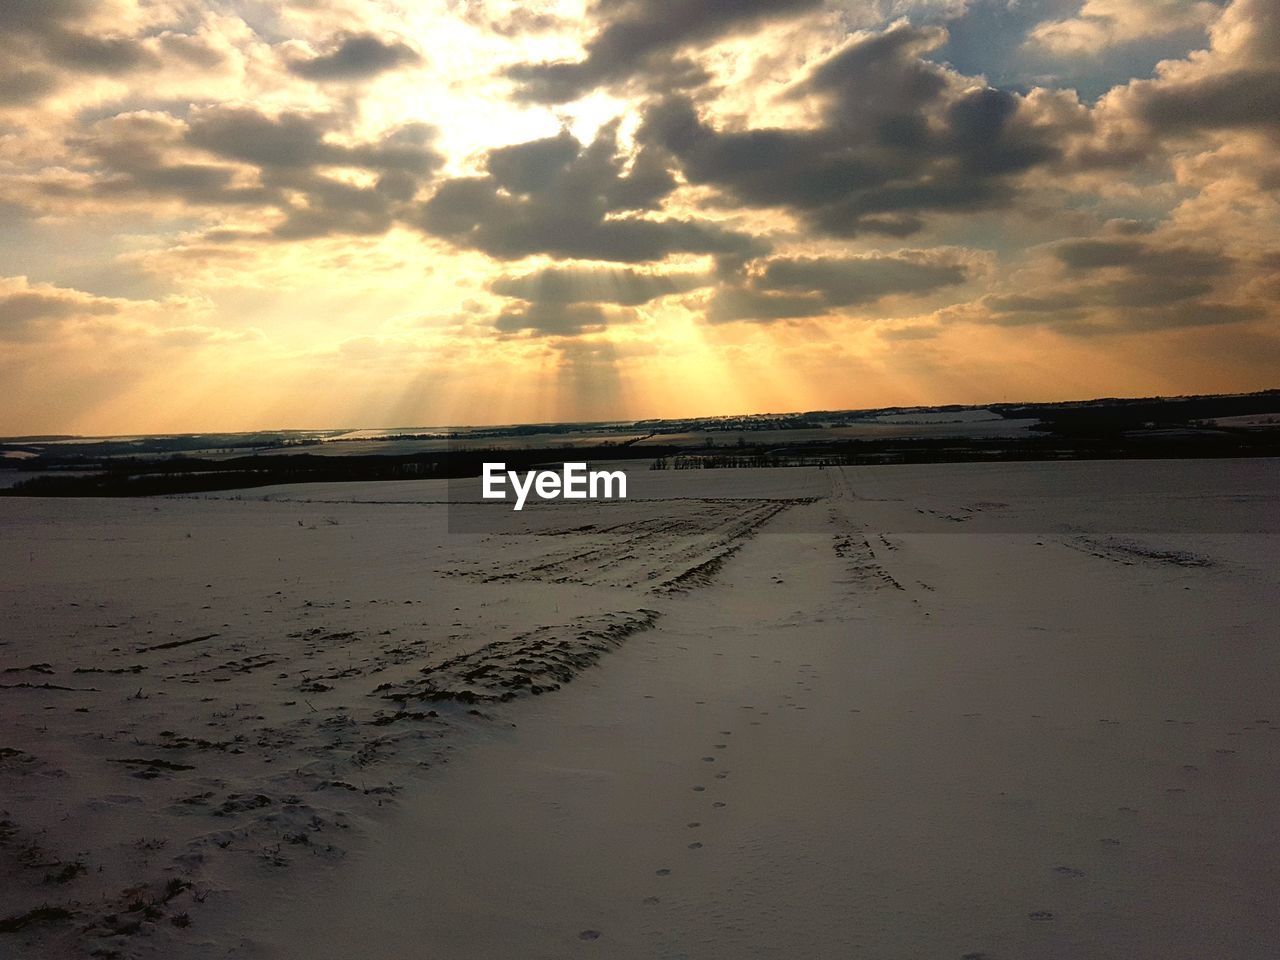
1011	710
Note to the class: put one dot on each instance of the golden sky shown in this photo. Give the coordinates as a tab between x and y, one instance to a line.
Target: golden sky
240	215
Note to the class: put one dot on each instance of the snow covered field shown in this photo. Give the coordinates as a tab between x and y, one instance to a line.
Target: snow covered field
984	710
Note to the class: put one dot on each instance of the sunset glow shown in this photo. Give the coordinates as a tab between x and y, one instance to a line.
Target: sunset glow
242	215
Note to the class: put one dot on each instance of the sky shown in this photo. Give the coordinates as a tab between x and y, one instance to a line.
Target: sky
241	214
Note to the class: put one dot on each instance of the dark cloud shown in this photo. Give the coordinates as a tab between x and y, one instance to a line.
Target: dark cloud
1173	263
20	87
356	56
40	17
23	307
1181	316
534	166
881	79
561	301
625	287
193	183
551	319
1133	292
1236	99
1124	284
85	53
1129	228
249	158
900	138
558	197
299	140
1250	30
856	280
291	149
22	310
732	303
1036	305
1234	86
333	206
132	156
1209	313
42	41
790	287
646	35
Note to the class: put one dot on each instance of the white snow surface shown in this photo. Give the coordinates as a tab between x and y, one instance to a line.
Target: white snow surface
986	710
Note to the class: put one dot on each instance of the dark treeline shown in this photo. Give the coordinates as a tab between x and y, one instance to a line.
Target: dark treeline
140	477
1089	430
1154	446
1102	417
137	477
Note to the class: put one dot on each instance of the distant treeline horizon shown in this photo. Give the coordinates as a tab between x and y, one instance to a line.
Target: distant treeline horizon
1239	404
1136	429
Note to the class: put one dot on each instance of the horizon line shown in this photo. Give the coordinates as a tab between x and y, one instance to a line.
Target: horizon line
39	437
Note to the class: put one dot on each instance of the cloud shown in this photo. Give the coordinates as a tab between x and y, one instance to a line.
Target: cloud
45	40
86	53
552	319
294	139
847	281
20	86
290	150
899	138
559	197
1116	283
559	301
26	310
1104	23
514	18
646	36
140	155
356	56
1234	99
1143	257
625	287
1234	85
191	50
768	161
522	20
46	316
785	288
231	156
915	331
